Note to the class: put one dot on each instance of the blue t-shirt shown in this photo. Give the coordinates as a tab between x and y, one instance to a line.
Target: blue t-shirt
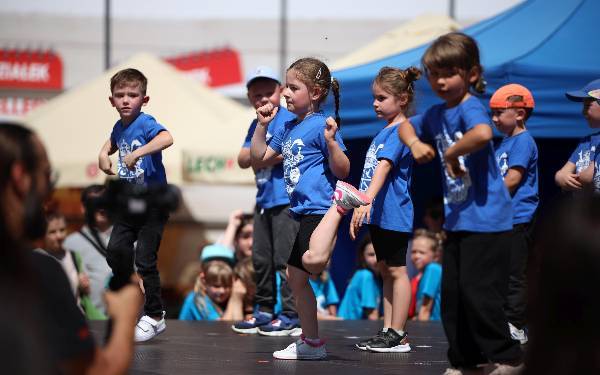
430	286
584	152
363	292
269	181
148	169
196	307
478	201
521	151
325	293
308	180
392	208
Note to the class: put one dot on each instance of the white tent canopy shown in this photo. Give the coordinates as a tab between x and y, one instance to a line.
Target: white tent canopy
208	130
411	34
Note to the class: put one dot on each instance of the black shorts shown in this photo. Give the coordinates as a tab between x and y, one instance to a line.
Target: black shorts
308	224
390	245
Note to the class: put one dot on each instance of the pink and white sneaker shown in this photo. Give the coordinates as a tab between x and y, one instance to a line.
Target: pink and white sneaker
347	197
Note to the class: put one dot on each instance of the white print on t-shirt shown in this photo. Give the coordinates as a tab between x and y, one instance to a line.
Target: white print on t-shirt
503	163
370	165
457	188
292	155
597	177
584	159
135	176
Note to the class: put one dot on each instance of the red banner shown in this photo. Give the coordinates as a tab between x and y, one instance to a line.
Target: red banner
211	68
20	69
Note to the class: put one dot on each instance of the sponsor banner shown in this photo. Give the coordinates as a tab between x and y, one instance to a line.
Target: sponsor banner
36	70
17	106
211	168
211	68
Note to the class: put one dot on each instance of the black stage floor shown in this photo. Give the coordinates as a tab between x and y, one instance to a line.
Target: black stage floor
213	348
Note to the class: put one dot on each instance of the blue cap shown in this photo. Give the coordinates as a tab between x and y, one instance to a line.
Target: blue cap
591	90
217	252
262	72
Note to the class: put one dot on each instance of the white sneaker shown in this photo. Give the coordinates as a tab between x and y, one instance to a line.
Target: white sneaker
518	334
302	350
503	369
347	197
148	328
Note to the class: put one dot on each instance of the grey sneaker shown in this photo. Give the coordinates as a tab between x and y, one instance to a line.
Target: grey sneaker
302	350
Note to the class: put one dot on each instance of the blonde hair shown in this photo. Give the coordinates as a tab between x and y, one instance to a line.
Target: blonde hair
314	73
455	51
436	238
215	272
398	81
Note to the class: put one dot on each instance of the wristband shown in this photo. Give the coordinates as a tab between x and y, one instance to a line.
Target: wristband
413	142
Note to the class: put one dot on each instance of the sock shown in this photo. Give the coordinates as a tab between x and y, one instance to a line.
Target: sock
385	329
315	343
399	332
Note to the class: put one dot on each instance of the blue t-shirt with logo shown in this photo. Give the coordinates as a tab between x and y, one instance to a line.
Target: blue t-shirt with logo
521	151
584	152
198	307
308	180
269	181
363	292
325	293
392	208
478	201
148	169
430	286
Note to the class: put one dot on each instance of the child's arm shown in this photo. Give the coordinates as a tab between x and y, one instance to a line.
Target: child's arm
425	310
245	160
358	217
161	141
104	162
421	152
228	239
338	161
235	304
566	178
473	140
259	151
513	178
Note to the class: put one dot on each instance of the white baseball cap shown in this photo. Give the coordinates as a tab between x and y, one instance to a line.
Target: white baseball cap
262	72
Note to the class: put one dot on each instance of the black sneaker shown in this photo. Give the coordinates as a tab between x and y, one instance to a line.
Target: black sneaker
364	343
390	342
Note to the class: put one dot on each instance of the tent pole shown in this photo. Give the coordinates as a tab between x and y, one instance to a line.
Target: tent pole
283	38
106	34
452	9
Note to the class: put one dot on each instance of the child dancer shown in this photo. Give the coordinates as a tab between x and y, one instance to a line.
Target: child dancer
313	159
386	179
477	207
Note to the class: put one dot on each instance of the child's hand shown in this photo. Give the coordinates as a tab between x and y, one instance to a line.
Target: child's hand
235	218
569	181
266	113
238	288
358	217
105	165
455	170
422	152
84	283
331	127
130	160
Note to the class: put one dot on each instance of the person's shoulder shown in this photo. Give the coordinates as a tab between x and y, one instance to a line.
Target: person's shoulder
434	267
364	274
285	115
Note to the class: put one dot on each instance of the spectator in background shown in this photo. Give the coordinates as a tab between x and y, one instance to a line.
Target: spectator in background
433	218
90	243
238	234
362	299
427	285
326	295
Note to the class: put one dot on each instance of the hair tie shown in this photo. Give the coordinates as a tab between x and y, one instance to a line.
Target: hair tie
318	74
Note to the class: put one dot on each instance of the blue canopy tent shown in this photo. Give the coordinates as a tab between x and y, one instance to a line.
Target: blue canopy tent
550	46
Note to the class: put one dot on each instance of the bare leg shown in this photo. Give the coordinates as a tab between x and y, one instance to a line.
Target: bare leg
306	303
322	242
401	296
388	295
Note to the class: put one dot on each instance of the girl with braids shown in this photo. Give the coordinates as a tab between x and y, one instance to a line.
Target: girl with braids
477	206
386	180
313	159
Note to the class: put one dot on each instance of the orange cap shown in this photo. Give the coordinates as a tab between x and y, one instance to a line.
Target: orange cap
500	97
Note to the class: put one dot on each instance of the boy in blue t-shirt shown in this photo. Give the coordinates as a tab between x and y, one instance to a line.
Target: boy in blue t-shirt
588	169
517	157
139	140
274	229
568	177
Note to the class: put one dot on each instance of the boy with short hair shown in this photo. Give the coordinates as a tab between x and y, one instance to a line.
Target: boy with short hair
517	157
568	177
274	229
139	139
588	169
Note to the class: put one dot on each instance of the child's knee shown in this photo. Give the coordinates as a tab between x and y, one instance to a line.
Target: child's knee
314	263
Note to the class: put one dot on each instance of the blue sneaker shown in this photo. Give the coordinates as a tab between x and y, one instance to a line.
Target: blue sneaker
251	325
282	326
